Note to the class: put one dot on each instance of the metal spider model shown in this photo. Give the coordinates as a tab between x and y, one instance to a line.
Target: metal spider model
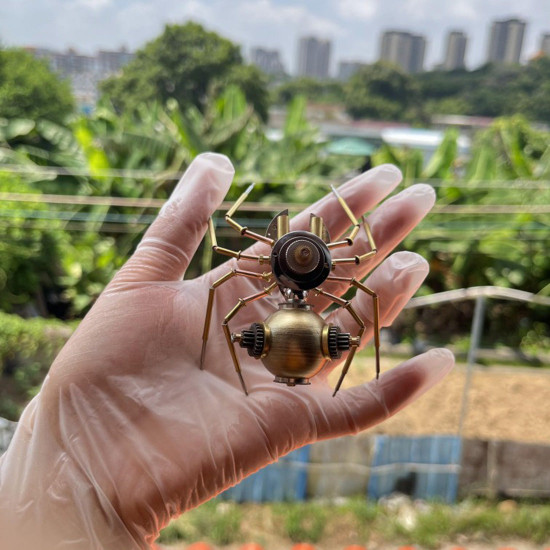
295	343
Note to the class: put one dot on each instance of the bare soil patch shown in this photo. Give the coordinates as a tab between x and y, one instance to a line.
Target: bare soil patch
504	403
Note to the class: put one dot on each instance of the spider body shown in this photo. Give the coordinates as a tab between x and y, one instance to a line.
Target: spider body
294	343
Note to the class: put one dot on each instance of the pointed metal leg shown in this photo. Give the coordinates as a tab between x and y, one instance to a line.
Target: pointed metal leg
362	327
225	325
241	229
239	254
233	273
348	241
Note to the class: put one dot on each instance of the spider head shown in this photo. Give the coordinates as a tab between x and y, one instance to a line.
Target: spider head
300	260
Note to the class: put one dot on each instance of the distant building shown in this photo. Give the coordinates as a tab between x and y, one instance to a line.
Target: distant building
455	52
84	72
545	44
403	49
111	62
506	41
314	57
346	69
267	60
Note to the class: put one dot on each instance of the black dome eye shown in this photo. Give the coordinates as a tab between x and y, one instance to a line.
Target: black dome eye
300	260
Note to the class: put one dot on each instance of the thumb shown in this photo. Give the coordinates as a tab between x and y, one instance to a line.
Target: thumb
366	405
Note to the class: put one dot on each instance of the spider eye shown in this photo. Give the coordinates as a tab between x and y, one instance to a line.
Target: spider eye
302	257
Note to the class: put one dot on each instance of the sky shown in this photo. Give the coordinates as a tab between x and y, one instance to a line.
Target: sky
355	27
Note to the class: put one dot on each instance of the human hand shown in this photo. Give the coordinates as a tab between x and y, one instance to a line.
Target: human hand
128	432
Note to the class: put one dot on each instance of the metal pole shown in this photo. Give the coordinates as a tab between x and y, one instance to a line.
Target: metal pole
475	337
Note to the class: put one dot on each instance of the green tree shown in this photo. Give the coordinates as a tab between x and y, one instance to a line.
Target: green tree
328	91
184	63
29	89
381	91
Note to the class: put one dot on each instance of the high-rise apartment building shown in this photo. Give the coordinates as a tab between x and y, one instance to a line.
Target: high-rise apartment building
111	62
267	60
403	49
545	44
506	41
314	57
84	72
346	69
455	52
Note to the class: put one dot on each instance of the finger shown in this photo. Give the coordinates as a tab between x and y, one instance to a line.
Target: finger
362	193
363	406
395	282
169	244
391	222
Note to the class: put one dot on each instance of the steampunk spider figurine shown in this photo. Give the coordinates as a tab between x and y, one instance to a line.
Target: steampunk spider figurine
294	343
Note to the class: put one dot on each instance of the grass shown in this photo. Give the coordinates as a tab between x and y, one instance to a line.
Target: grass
426	525
303	522
216	521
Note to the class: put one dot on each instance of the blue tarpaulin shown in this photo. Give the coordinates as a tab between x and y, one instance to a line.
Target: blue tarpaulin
284	480
422	467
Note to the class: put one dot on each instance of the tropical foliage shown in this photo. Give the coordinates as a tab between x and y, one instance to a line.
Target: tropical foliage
186	63
29	89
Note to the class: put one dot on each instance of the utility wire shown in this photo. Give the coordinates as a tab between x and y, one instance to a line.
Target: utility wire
310	180
256	206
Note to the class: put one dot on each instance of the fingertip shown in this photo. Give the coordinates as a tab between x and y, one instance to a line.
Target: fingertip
210	173
391	170
405	260
216	161
421	193
380	180
443	358
408	381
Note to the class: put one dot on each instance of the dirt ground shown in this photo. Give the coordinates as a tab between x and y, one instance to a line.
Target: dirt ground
505	403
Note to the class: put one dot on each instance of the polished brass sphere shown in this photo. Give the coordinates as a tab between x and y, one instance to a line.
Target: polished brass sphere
296	343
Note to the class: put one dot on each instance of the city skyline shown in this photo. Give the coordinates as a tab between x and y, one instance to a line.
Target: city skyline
354	28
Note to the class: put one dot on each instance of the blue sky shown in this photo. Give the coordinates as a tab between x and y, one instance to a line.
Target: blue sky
354	26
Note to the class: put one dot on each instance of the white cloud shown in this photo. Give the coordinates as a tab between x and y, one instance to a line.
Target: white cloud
94	4
285	17
360	9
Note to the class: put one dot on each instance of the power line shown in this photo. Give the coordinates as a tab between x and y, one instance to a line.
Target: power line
114	217
311	180
255	206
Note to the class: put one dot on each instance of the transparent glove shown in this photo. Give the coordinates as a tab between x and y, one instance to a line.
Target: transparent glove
128	432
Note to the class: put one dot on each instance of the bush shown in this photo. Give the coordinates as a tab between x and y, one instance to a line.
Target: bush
27	349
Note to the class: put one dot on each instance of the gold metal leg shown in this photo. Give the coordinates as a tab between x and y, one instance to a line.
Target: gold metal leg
346	304
362	257
241	229
225	325
348	241
234	272
232	253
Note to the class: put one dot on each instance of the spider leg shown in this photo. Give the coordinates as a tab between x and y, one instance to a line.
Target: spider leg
234	272
346	304
348	241
244	231
225	325
232	253
361	257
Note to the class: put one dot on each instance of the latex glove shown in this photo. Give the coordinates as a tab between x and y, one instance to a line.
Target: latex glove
127	431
